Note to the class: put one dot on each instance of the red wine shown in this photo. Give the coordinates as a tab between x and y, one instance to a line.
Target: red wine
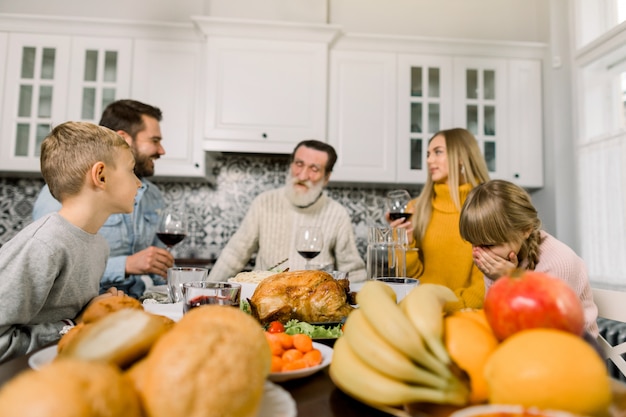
396	216
171	239
308	254
206	299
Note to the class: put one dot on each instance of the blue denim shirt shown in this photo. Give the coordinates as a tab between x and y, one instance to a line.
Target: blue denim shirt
126	234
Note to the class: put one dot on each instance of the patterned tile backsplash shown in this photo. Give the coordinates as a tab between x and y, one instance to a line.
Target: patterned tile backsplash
215	210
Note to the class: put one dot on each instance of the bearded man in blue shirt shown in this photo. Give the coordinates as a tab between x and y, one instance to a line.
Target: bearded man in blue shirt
135	249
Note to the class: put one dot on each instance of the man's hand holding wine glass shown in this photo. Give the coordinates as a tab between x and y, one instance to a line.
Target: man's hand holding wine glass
151	260
172	229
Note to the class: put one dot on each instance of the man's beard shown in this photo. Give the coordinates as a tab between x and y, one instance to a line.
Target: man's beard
303	198
144	167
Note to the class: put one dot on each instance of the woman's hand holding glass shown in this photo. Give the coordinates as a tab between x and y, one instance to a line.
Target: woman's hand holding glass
398	212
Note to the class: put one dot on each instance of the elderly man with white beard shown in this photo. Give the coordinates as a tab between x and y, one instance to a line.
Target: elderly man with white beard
269	228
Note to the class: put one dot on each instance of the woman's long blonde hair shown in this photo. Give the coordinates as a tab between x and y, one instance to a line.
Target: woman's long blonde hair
462	150
498	212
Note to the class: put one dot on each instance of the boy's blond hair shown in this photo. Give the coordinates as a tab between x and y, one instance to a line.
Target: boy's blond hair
69	152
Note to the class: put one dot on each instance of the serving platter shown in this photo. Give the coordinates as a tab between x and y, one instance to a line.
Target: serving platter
327	355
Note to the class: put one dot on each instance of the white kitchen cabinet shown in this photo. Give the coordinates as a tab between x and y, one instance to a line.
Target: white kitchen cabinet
54	78
525	133
266	84
167	74
35	94
4	40
497	99
425	97
481	106
361	117
99	74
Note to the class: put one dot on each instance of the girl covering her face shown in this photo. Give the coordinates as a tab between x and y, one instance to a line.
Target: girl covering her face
500	221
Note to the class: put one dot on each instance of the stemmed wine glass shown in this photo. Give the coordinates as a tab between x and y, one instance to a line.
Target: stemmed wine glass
396	203
309	243
172	228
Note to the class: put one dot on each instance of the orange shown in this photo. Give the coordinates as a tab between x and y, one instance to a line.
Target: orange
294	365
302	342
277	364
549	369
285	340
313	357
470	343
275	346
291	355
477	314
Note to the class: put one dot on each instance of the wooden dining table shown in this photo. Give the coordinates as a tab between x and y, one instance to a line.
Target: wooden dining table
315	395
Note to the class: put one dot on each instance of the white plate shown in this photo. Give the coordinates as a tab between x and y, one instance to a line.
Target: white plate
247	290
327	355
172	310
43	357
277	402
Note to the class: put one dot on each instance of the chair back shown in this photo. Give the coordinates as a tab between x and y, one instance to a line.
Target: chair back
612	305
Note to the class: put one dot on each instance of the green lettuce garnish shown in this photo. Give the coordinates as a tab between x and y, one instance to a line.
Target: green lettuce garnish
314	331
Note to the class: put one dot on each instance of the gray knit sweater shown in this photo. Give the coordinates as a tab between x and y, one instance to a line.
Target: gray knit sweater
269	229
48	272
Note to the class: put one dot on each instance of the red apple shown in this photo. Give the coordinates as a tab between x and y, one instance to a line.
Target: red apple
528	299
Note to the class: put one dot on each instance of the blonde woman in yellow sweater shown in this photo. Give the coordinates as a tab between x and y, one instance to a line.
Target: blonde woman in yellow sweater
455	166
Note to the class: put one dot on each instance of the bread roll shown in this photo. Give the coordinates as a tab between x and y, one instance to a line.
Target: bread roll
104	306
70	388
120	338
213	362
65	339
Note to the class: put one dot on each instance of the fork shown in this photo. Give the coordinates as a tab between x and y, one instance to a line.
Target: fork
278	264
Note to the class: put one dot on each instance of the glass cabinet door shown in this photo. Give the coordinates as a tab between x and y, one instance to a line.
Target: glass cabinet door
100	75
479	105
424	108
35	92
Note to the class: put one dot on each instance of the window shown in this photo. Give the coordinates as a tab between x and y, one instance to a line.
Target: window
600	65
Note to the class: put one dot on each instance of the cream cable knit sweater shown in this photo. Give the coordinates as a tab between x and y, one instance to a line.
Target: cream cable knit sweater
269	229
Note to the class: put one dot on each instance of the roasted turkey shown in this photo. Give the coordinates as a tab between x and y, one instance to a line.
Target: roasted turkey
311	296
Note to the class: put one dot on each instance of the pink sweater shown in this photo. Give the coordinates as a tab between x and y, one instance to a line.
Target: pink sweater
559	260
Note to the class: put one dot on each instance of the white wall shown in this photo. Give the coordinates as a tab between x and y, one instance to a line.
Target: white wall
517	20
159	10
556	202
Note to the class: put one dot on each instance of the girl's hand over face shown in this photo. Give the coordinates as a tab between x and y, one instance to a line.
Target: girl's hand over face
491	264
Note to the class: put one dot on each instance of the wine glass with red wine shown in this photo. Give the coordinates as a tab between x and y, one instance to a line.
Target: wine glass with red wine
396	203
172	228
309	243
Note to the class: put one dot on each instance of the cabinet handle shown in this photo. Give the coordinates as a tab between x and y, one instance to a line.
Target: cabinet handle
516	175
264	135
197	165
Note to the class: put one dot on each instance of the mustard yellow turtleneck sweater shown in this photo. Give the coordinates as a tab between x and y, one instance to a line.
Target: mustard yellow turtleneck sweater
445	257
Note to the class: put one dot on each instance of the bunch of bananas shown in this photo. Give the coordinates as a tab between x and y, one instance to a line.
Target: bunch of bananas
393	354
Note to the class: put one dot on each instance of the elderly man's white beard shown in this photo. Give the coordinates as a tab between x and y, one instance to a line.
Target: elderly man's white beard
302	198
